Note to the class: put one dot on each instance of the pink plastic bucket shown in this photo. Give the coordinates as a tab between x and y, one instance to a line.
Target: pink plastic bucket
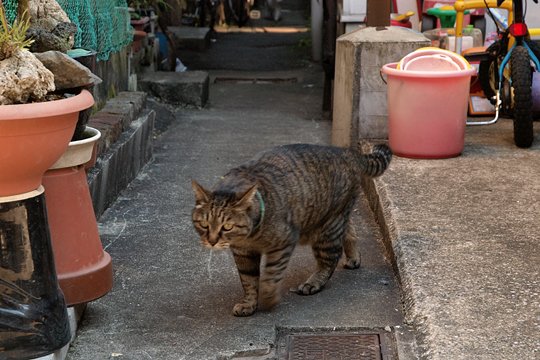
427	111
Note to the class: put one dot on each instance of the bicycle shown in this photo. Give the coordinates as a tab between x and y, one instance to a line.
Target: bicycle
507	66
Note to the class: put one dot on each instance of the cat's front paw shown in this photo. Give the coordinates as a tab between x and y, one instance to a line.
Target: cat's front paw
307	289
244	309
352	264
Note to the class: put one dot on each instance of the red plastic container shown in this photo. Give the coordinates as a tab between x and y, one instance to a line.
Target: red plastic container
84	269
427	111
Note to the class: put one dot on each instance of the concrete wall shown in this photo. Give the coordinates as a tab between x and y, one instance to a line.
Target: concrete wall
359	110
114	73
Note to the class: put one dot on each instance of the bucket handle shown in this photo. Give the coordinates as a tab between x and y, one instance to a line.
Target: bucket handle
382	77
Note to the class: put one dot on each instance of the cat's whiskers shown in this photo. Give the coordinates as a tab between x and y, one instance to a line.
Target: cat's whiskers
208	266
219	246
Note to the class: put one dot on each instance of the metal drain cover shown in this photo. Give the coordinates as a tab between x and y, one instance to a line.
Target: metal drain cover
334	347
256	80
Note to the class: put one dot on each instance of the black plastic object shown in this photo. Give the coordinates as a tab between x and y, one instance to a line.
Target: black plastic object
33	314
88	59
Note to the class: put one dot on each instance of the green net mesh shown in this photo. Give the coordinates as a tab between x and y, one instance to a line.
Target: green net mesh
103	25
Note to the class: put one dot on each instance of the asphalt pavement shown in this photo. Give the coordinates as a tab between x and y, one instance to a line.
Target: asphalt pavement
172	298
460	234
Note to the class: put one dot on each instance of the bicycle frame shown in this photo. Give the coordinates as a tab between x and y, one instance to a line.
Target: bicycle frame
461	6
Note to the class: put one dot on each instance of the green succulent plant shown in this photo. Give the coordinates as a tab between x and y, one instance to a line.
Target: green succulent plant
13	37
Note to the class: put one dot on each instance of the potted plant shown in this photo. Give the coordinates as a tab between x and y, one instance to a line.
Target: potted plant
158	12
36	125
84	270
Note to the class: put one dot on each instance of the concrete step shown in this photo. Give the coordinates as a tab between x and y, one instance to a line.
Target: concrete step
192	38
125	146
189	88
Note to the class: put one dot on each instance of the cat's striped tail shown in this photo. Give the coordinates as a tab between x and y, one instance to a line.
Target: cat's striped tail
377	162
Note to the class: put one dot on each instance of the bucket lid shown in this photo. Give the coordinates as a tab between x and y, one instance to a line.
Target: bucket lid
434	62
392	71
458	59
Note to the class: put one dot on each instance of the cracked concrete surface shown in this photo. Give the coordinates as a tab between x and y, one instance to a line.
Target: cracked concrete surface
172	298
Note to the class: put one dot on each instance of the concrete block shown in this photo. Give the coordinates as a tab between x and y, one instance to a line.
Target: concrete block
127	104
110	126
121	163
136	98
188	88
359	110
124	110
188	37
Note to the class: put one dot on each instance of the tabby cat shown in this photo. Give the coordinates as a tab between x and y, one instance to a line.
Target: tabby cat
289	195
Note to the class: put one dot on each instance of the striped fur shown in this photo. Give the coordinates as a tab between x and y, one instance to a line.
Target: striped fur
289	195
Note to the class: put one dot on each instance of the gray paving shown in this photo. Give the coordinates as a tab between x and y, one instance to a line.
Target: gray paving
172	298
465	235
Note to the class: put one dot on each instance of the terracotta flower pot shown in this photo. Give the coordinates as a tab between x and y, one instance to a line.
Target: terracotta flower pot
138	37
84	269
141	24
33	316
32	137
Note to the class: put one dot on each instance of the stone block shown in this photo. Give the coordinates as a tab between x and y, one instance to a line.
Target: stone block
136	98
188	88
121	163
110	126
191	38
124	110
359	110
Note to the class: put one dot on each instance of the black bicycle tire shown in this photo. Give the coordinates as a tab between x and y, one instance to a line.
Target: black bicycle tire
521	73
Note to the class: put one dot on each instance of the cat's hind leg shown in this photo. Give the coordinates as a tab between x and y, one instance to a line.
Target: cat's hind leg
351	248
327	249
248	265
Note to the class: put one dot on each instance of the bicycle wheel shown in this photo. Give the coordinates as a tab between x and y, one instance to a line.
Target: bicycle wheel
521	72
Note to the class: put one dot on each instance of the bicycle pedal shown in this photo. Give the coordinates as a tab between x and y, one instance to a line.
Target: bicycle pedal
254	14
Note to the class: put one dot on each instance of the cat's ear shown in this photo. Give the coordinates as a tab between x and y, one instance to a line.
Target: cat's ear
246	198
201	194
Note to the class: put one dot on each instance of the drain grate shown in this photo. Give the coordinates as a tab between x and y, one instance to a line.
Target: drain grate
334	347
255	80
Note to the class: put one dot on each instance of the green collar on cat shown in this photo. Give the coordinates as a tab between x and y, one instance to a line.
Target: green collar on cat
261	210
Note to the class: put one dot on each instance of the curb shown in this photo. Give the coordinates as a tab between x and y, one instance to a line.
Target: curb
120	163
380	203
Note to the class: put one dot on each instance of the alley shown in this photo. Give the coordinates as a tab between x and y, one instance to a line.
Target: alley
172	298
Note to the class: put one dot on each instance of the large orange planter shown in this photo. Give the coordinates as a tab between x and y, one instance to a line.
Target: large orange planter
32	137
33	315
84	269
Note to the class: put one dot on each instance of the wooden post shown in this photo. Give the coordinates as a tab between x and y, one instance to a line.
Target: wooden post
378	13
329	50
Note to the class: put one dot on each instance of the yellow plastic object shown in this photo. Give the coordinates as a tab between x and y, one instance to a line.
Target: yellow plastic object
402	17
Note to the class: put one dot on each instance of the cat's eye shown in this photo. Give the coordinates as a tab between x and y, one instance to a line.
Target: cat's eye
228	226
204	224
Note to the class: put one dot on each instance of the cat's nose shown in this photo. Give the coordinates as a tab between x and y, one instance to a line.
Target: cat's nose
213	239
